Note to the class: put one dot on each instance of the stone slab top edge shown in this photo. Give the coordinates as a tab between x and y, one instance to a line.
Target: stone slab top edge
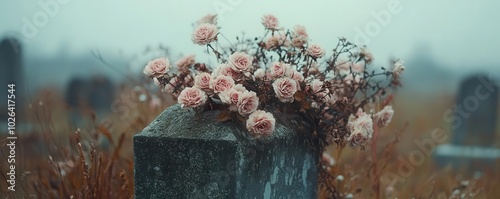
181	123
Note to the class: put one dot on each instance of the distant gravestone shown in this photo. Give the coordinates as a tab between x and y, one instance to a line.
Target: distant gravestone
474	128
76	92
101	94
182	156
11	71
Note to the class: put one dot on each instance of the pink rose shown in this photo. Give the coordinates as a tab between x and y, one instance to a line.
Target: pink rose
299	36
261	123
296	76
210	18
227	70
276	40
204	34
202	81
157	67
247	103
221	83
270	22
285	88
299	30
231	96
357	137
384	117
191	97
240	61
280	69
315	51
184	63
316	86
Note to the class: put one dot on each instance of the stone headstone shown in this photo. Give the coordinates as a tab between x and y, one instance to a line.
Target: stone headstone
101	94
182	156
76	93
474	126
11	71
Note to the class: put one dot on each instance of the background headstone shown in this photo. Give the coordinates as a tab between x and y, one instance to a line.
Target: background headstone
474	127
11	71
182	156
101	94
478	98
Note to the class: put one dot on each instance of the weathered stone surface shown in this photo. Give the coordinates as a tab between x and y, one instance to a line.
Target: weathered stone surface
182	156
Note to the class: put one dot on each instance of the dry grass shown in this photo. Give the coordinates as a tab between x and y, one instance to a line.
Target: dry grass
58	160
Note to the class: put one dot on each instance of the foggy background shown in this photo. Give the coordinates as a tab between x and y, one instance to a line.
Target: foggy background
439	41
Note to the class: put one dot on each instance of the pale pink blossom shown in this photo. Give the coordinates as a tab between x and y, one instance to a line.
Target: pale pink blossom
247	103
398	68
202	81
221	83
185	62
300	30
357	137
296	75
360	127
384	117
316	86
157	67
210	18
285	88
358	67
352	79
276	40
232	95
227	70
259	74
270	22
315	51
204	34
299	36
280	69
261	123
240	61
366	55
191	97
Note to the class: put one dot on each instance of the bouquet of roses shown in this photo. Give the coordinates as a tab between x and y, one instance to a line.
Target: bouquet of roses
282	74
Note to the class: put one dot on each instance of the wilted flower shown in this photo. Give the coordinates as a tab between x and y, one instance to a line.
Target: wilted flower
261	123
366	55
277	40
240	61
361	128
285	88
157	67
210	18
247	103
270	22
185	62
384	117
191	97
221	83
398	68
327	159
204	34
315	51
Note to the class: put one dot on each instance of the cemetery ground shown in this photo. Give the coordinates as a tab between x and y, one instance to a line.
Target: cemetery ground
95	159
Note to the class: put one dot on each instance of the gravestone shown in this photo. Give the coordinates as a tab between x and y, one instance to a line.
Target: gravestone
11	71
182	156
474	126
101	94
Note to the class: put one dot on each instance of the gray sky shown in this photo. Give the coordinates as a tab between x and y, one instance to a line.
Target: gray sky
459	33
